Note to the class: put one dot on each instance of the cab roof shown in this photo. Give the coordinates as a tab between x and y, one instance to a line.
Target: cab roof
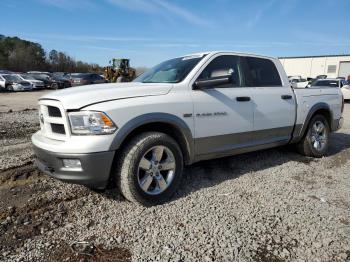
228	52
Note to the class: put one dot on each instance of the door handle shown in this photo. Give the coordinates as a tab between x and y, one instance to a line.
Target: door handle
286	97
243	98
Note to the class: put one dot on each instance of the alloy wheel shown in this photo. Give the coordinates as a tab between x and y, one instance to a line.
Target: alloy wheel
318	136
156	170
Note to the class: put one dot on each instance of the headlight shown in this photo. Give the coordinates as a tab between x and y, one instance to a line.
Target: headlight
91	123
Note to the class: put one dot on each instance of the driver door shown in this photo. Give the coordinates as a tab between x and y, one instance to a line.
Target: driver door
223	113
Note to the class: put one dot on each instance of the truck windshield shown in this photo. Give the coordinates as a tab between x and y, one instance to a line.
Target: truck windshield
171	71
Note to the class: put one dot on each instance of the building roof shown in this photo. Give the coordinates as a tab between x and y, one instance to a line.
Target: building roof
315	56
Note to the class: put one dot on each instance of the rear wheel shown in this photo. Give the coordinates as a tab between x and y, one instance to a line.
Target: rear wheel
150	169
316	140
54	86
10	88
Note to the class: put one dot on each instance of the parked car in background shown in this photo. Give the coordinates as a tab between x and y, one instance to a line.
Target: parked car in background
3	83
346	89
7	72
298	82
36	84
328	82
62	74
344	85
50	80
78	79
59	82
15	83
321	77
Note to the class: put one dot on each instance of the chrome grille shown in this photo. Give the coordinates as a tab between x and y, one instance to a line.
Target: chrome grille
58	128
54	111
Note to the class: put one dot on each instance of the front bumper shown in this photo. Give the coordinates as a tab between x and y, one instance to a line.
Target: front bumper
95	167
337	124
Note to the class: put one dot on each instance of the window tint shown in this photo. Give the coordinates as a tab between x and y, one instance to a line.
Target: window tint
262	72
223	66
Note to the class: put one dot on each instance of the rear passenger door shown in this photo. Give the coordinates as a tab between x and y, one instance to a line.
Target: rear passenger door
274	104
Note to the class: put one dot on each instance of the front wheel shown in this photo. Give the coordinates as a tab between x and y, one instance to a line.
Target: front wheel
10	88
315	143
150	169
121	79
54	86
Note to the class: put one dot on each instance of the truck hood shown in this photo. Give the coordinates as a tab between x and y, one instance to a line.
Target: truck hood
82	96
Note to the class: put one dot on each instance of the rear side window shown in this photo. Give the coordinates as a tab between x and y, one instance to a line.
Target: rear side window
262	73
225	65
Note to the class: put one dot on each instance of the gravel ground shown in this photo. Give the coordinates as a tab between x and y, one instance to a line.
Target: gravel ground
18	101
273	205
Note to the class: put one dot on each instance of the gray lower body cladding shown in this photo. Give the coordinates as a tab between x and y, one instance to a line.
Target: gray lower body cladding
95	167
232	144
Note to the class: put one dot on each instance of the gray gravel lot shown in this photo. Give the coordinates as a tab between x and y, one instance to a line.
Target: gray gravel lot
18	101
273	205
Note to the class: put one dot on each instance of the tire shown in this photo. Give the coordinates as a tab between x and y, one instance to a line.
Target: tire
121	79
315	142
54	86
9	88
142	162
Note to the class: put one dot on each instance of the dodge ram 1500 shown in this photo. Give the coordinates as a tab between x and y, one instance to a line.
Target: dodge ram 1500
139	135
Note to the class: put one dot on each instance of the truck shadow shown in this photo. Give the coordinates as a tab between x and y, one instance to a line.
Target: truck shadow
212	172
209	173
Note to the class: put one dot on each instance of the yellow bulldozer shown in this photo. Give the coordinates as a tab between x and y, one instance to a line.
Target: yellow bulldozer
119	71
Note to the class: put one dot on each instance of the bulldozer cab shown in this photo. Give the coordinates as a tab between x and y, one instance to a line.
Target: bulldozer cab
119	71
120	63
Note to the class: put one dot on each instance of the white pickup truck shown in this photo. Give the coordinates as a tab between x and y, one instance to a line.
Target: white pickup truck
139	135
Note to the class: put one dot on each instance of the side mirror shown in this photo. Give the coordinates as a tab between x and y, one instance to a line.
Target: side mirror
212	82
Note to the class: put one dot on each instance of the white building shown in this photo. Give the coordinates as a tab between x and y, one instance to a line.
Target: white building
311	66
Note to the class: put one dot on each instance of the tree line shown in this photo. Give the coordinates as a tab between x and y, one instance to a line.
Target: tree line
20	55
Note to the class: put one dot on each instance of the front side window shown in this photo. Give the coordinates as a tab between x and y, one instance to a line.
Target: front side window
171	71
222	66
262	73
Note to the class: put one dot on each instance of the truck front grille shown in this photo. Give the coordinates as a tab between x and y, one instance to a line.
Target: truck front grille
54	111
53	120
58	128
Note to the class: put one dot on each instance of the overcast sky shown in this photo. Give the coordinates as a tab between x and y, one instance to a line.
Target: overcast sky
149	31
